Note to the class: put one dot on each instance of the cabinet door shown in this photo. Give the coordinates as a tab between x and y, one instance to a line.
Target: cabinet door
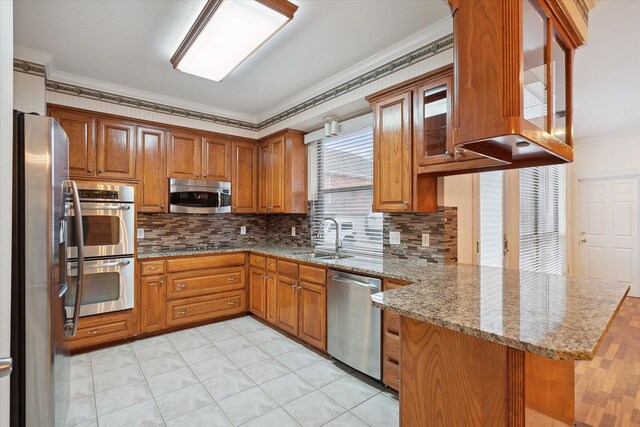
277	174
244	177
287	304
257	293
153	309
81	130
151	166
271	297
116	149
184	155
433	142
392	169
264	178
216	159
313	315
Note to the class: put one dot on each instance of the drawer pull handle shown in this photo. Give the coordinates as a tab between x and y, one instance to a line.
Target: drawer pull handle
182	312
398	379
153	267
231	303
181	285
231	279
94	332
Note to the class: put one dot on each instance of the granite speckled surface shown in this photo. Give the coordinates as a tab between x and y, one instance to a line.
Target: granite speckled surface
550	315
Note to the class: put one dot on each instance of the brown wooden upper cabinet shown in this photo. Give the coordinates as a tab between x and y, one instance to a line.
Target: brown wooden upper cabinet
116	149
282	173
184	158
81	130
244	177
520	54
216	159
151	166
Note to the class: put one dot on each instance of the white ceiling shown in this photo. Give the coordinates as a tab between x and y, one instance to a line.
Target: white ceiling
129	43
607	72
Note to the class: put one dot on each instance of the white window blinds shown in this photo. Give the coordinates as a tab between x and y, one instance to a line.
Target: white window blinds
344	191
543	219
491	239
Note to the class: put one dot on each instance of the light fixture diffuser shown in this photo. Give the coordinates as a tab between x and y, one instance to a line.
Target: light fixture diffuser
227	32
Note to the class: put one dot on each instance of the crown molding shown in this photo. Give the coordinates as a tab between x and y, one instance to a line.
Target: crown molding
418	47
416	41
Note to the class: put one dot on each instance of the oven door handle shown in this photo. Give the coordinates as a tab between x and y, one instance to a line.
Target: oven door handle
71	325
105	265
107	208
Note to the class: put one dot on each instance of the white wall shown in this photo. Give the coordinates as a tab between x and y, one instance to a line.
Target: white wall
29	93
6	148
459	193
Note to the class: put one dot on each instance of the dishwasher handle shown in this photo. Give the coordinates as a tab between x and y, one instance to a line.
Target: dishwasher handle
339	279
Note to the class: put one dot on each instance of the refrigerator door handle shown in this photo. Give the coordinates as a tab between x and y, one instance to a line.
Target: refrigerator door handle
6	366
71	325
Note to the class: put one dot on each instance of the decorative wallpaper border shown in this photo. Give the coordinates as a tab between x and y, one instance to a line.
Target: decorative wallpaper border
398	64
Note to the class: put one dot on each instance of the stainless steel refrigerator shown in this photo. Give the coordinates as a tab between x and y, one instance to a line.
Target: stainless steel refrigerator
39	324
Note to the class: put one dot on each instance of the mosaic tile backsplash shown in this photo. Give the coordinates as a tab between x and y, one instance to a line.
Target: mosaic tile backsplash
189	231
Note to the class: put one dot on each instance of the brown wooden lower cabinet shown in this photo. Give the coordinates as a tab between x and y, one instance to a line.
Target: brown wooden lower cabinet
391	336
258	292
101	329
271	297
153	304
312	303
197	309
287	304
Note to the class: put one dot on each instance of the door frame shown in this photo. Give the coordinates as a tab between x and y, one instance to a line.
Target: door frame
574	214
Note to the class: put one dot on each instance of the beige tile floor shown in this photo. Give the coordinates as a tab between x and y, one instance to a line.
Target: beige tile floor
233	373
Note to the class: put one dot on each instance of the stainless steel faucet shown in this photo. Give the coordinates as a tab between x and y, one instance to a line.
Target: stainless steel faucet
337	232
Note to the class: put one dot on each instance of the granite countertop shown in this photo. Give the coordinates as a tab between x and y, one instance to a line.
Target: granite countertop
554	316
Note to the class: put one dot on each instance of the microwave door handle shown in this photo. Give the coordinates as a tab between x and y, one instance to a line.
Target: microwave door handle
71	325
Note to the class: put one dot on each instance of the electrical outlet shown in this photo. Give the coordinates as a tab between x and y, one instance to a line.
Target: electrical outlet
293	231
140	233
243	230
394	237
425	240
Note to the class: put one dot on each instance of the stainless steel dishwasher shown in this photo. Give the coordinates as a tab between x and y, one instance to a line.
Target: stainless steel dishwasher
354	332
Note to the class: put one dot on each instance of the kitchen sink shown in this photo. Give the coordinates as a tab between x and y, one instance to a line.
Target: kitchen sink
322	255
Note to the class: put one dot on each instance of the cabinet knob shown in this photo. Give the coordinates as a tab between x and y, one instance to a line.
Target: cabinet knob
204	176
94	332
90	170
447	152
293	286
235	208
405	203
459	151
162	205
299	287
101	171
197	175
161	282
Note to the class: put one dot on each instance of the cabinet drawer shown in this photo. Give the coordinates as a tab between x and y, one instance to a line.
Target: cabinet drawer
151	267
204	282
392	323
95	330
313	274
271	264
200	263
393	284
203	308
391	375
391	348
287	268
258	261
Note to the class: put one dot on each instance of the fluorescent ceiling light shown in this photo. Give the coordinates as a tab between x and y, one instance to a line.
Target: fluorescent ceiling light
227	32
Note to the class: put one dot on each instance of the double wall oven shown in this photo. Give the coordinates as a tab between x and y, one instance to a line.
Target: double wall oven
108	225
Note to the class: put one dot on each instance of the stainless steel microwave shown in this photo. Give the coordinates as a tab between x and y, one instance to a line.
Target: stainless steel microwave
199	196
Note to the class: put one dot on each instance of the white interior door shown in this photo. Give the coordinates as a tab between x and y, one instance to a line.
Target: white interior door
608	231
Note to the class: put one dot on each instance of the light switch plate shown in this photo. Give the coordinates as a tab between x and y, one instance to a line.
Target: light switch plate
425	239
140	233
394	237
243	230
293	231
